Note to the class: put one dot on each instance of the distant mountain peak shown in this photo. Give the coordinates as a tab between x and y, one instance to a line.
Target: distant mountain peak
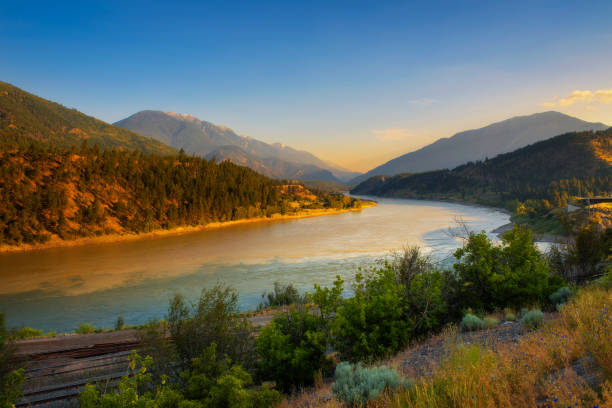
183	116
195	136
486	142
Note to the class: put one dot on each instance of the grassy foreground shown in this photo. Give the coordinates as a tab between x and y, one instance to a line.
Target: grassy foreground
565	363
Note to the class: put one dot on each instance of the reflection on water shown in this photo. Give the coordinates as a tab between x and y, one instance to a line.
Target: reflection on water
59	288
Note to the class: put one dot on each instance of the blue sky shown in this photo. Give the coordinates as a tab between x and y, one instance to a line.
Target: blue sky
354	82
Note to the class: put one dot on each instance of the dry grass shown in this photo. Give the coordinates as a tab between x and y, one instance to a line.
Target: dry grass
541	370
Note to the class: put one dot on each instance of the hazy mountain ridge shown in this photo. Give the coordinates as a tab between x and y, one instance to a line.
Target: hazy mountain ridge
487	142
271	167
200	137
25	117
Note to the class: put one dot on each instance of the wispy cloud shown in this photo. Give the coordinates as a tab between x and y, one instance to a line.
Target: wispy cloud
391	135
599	96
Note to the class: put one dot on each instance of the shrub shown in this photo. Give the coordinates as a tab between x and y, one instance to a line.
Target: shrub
355	384
373	323
85	328
532	319
120	323
510	317
561	296
292	349
490	322
328	300
27	332
217	383
211	382
11	375
489	276
471	322
215	319
606	280
282	295
423	290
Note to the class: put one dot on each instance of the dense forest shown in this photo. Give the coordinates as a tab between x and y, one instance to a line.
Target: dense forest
25	118
532	180
48	192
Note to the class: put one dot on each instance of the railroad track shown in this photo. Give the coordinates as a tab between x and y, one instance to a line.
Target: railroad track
58	368
55	377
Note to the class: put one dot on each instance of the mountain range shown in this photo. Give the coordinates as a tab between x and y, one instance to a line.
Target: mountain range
486	142
205	139
551	171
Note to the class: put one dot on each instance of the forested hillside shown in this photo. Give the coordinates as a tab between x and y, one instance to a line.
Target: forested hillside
66	194
534	179
25	118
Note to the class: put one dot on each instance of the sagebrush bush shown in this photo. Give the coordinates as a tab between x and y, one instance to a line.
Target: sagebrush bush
561	295
532	319
355	384
510	317
490	322
471	322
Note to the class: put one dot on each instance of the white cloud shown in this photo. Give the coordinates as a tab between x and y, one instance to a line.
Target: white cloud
392	134
582	96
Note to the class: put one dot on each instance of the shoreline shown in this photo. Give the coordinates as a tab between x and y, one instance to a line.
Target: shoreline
538	237
113	238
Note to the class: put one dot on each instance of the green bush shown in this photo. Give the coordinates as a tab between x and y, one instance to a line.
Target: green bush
532	319
12	376
561	296
490	322
424	290
210	382
215	318
27	332
373	322
510	317
85	328
282	295
606	280
355	384
217	383
292	349
120	323
496	276
471	322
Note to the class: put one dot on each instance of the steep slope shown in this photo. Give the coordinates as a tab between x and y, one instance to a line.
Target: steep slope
486	142
271	167
573	164
25	117
199	137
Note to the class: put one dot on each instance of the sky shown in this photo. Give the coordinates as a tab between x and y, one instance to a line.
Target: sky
356	83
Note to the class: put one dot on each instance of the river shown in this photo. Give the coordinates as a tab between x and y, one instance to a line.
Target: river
57	289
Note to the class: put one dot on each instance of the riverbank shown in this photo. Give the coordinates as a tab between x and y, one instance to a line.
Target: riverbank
544	237
538	237
56	242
